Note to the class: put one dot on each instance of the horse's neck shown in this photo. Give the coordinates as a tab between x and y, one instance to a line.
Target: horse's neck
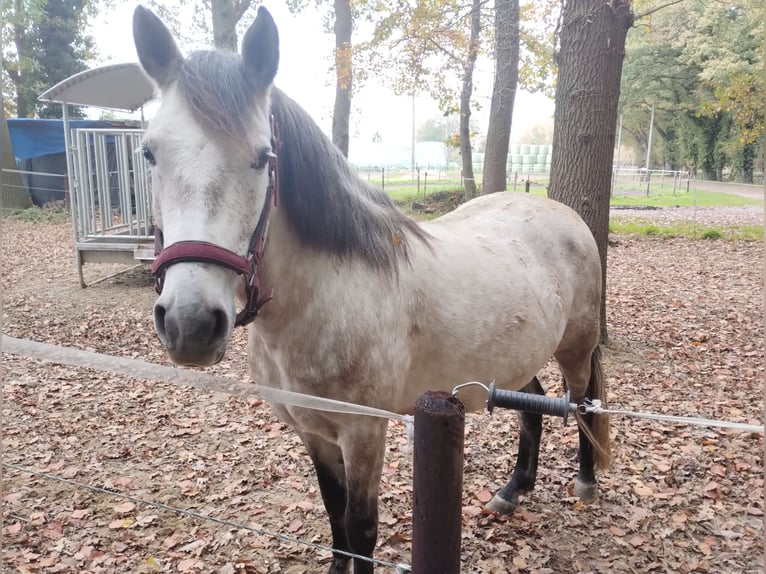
290	268
312	283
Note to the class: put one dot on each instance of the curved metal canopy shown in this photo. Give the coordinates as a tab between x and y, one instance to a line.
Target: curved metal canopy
122	87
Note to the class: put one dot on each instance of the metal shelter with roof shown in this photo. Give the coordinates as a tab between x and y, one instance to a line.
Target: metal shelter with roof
105	230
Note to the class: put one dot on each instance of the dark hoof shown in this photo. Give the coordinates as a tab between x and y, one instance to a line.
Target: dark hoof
585	491
502	506
340	566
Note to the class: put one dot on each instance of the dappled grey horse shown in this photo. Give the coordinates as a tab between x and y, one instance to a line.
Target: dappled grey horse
255	206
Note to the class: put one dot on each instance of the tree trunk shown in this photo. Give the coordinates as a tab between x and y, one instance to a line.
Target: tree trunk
343	75
13	194
226	14
590	57
745	163
495	174
465	102
25	102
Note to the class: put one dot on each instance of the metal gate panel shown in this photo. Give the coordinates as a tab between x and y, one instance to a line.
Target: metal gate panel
111	197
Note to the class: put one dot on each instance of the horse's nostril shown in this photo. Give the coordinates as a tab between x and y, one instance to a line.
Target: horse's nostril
166	330
220	325
159	316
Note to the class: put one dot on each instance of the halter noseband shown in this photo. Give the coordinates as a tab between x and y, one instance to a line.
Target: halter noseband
205	252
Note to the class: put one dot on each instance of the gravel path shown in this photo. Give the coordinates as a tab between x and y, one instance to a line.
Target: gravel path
747	215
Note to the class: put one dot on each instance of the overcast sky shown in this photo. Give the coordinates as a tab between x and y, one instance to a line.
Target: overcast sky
306	75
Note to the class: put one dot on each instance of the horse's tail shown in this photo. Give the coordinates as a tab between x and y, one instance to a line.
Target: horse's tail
598	431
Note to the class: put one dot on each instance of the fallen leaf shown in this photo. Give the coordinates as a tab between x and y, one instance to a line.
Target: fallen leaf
171	541
519	562
121	523
124	508
617	531
718	470
295	526
187	564
13	497
484	496
471	511
642	490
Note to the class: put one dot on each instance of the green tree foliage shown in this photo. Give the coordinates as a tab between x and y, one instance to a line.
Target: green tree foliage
701	65
44	43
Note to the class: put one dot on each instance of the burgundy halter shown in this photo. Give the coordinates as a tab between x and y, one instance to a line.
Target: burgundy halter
204	252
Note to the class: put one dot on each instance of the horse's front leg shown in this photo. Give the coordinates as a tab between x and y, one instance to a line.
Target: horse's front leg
363	442
525	471
331	475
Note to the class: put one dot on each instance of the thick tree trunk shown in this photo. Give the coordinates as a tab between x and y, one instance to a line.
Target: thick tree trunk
25	105
343	75
465	102
495	174
592	49
226	14
13	194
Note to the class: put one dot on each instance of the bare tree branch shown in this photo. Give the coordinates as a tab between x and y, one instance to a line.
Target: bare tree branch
656	9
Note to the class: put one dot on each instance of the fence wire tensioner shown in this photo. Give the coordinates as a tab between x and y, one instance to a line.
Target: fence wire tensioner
528	403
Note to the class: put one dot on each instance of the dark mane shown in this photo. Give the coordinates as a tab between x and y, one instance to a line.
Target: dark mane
327	204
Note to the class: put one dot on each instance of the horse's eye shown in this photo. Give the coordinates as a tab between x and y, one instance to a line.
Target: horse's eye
149	156
262	160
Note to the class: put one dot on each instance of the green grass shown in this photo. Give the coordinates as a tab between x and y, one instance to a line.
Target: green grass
660	196
631	226
54	212
664	197
409	191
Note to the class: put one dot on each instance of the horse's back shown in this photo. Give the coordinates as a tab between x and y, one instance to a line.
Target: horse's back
504	279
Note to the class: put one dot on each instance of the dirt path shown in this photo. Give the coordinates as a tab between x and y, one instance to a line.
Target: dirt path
742	189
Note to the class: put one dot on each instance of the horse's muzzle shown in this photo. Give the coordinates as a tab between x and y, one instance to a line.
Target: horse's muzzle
197	337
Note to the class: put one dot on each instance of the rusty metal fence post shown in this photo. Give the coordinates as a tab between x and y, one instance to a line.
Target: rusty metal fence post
437	484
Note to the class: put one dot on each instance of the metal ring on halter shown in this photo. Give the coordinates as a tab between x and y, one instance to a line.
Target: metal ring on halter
470	384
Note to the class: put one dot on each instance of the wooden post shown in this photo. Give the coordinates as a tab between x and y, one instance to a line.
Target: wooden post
437	484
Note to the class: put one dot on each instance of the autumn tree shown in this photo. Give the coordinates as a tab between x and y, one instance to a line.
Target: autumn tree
46	43
13	195
431	46
590	58
523	56
506	59
700	66
18	19
341	117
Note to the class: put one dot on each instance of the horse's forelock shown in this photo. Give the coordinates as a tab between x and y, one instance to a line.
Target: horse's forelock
218	92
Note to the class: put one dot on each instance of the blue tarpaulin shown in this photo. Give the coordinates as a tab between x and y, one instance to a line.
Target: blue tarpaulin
34	137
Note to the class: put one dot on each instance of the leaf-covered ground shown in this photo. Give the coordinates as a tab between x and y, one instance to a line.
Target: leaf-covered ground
686	327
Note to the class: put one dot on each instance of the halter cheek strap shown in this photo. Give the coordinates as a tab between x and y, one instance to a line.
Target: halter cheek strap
205	252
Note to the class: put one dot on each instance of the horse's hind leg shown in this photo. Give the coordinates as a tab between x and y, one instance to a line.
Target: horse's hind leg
584	378
525	471
331	475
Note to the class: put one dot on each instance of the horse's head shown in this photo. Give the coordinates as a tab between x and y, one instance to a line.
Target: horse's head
210	148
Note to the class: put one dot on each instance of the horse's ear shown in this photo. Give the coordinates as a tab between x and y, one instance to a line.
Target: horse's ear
157	50
260	49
